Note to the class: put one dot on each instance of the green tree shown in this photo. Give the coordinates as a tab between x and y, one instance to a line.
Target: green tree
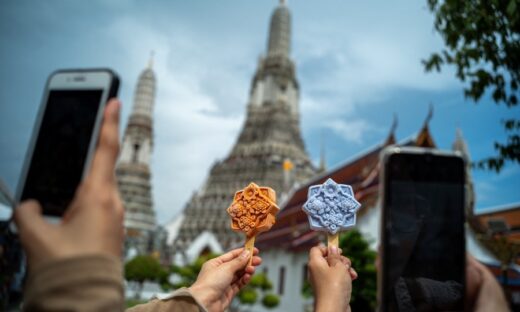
482	41
187	275
364	289
140	269
259	285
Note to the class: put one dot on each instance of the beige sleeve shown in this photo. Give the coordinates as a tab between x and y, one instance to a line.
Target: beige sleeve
179	300
87	283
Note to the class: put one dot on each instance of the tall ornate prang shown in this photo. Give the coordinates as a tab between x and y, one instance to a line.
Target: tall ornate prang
133	168
270	136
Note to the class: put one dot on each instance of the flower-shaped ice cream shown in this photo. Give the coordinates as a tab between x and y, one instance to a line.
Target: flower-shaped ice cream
253	210
331	207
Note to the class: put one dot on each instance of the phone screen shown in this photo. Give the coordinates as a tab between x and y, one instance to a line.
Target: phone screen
424	244
61	148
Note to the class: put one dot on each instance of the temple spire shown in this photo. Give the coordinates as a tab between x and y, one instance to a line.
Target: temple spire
150	61
323	162
391	134
145	91
460	144
280	32
270	137
429	116
133	169
424	139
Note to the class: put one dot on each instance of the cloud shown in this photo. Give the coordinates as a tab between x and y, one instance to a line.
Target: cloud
510	170
349	55
194	122
347	61
351	131
203	81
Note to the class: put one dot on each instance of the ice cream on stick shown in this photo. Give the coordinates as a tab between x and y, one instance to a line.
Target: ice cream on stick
253	211
331	207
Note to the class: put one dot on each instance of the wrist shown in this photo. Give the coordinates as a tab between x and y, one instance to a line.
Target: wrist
203	295
330	302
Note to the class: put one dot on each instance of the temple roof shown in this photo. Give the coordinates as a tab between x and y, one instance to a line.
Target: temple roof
480	223
292	231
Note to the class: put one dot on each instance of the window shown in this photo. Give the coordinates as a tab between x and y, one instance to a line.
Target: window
135	155
281	280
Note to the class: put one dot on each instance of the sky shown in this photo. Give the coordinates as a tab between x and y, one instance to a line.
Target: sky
358	64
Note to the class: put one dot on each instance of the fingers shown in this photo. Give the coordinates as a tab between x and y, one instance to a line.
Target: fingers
346	261
31	224
252	268
254	263
28	217
107	150
118	205
317	256
240	262
473	281
333	256
353	274
230	255
482	290
240	283
348	264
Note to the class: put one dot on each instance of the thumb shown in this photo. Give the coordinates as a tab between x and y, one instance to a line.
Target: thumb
333	256
31	224
239	262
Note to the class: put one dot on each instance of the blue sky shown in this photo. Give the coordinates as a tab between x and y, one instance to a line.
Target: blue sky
358	63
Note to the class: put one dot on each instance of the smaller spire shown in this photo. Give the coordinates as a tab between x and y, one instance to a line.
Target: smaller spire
150	61
424	138
460	144
279	41
391	134
283	2
429	116
458	134
395	123
323	162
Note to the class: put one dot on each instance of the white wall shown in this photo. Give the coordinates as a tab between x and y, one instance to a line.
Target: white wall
294	263
368	225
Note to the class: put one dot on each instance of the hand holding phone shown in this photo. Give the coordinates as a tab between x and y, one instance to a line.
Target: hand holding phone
65	136
422	231
93	223
483	293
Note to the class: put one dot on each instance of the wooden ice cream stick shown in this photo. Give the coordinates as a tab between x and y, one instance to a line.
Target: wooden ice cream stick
250	245
333	240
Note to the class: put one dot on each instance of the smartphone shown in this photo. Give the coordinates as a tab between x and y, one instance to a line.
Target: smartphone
422	230
64	137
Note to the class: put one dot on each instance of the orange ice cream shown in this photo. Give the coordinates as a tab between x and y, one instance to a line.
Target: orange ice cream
253	210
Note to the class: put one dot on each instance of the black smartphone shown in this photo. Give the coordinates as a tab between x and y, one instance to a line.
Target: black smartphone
422	231
65	136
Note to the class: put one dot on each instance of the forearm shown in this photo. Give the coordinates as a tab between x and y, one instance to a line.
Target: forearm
86	283
180	300
330	303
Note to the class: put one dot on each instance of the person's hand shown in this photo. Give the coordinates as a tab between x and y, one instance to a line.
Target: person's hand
93	223
483	293
331	278
221	278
